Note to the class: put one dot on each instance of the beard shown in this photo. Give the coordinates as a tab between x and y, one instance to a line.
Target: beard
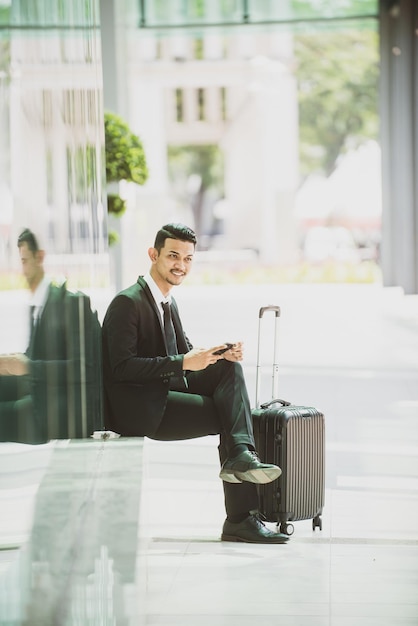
174	279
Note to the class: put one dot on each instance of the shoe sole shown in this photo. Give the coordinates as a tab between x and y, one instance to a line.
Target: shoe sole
259	476
235	539
229	478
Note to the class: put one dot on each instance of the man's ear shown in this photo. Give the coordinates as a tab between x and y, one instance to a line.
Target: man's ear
40	255
153	254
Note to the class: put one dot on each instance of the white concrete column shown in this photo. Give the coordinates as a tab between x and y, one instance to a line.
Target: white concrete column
262	165
190	104
399	136
213	104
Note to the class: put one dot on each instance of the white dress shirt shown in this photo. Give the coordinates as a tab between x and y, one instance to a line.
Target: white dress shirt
38	297
157	294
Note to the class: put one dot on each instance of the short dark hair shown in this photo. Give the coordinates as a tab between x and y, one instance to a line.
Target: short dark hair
27	236
174	231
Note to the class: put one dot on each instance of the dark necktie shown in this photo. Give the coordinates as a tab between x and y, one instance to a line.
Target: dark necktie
32	321
170	335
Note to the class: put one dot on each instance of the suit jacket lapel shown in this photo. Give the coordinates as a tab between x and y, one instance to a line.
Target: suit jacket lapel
152	302
181	343
55	294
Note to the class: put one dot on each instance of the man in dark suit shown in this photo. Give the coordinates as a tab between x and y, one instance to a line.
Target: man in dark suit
157	385
49	391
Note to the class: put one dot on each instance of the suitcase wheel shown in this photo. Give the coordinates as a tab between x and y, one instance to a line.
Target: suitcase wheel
317	523
286	529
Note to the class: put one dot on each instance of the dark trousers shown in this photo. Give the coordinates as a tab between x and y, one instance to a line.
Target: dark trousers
16	422
216	402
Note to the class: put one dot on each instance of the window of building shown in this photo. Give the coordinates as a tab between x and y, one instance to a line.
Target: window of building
198	49
179	105
224	110
201	114
47	107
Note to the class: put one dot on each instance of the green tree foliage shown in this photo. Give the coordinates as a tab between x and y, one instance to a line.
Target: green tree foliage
125	160
5	58
205	161
316	9
5	14
337	75
115	204
125	157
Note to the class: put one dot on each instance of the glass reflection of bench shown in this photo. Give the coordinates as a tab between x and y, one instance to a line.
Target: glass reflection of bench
80	559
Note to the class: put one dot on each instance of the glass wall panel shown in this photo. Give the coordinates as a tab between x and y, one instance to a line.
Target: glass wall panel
269	137
52	186
224	13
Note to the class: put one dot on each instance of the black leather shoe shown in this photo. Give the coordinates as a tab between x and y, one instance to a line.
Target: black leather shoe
251	530
248	467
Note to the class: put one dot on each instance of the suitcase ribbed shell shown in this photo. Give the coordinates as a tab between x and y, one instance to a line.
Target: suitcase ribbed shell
292	437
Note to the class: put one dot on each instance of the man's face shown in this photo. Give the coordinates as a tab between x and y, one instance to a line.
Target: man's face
32	265
172	264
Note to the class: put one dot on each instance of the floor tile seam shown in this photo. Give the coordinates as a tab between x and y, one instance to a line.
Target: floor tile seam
258	611
344	370
376	490
378	604
177	569
358	541
390	449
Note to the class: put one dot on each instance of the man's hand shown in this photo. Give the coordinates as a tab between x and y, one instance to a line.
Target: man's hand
14	364
200	358
236	353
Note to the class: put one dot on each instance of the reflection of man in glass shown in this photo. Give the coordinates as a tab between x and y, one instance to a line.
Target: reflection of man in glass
41	390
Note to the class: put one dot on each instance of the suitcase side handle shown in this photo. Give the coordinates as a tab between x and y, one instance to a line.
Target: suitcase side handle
266	405
270	307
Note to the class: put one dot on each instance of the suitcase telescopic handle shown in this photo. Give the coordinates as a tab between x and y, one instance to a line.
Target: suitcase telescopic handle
270	307
276	310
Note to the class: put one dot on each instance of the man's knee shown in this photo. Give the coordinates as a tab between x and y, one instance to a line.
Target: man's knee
229	366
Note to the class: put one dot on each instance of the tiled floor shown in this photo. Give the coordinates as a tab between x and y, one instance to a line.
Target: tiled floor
353	352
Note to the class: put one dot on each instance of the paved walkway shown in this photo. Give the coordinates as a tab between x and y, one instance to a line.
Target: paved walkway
353	352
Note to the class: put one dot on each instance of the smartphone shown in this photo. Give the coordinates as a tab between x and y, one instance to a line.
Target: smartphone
222	350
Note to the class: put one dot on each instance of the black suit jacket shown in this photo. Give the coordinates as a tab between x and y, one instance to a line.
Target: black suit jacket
60	398
65	372
136	367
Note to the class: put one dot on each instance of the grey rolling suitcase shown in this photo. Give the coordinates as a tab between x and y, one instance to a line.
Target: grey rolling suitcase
292	437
